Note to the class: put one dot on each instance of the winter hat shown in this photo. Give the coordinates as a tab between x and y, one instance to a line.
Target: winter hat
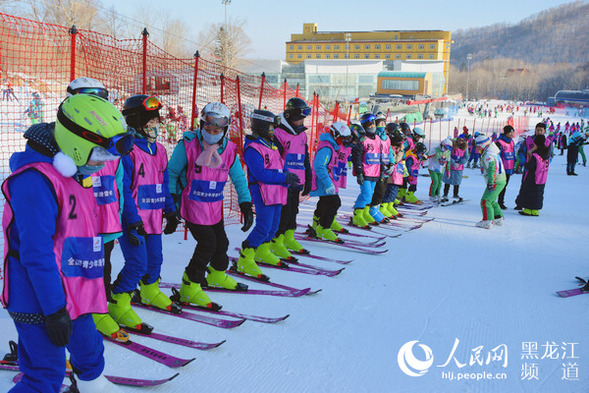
482	141
447	142
507	129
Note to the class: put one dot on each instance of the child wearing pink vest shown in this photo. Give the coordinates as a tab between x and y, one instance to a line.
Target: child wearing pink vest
329	175
268	184
205	160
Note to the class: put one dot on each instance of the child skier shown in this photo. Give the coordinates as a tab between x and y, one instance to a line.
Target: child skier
367	166
147	200
330	174
413	161
268	183
394	171
454	168
531	193
436	167
205	159
507	148
577	139
385	157
291	140
494	174
107	184
474	155
53	254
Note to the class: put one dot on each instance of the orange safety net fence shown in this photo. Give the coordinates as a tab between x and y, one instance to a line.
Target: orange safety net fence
38	60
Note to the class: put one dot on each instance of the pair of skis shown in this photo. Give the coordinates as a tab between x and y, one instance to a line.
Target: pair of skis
10	363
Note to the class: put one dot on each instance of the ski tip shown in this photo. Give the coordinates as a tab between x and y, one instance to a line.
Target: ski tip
173	376
185	362
314	292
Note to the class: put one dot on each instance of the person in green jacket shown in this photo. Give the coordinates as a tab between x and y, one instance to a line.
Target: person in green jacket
436	167
494	175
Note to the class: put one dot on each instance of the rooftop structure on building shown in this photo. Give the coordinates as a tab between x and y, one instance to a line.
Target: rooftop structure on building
370	45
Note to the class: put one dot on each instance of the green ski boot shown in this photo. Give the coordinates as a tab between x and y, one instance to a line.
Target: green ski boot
108	327
120	310
264	255
326	234
401	195
394	212
191	292
219	279
358	218
246	263
337	227
368	217
291	243
277	248
153	296
411	198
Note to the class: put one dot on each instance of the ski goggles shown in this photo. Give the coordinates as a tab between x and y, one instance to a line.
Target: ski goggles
274	120
152	103
119	145
215	120
96	91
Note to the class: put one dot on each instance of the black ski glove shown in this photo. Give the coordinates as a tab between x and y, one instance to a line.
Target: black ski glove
172	224
292	180
248	215
360	179
135	231
59	327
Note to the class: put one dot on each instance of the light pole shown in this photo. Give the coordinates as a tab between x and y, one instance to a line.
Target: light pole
468	59
225	36
348	39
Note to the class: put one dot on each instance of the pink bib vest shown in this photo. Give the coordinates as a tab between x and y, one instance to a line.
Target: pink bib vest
337	166
79	251
371	159
541	173
294	151
414	170
507	155
456	155
106	193
147	187
202	199
272	194
385	150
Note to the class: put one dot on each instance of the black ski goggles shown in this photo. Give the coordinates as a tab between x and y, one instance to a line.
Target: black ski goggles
118	145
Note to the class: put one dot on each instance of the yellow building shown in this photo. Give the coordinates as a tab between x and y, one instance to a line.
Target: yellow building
378	44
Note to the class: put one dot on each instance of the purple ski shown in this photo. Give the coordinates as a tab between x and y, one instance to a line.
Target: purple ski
218	322
572	292
123	380
160	357
235	273
326	259
297	293
176	340
300	268
344	245
374	243
249	317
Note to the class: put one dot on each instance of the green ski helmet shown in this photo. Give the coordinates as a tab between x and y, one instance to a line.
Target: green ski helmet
87	122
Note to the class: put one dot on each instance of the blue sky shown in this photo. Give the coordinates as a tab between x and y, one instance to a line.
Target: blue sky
270	23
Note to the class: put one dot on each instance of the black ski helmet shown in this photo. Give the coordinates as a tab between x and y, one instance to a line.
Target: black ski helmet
419	148
357	130
390	128
140	109
262	123
405	128
296	109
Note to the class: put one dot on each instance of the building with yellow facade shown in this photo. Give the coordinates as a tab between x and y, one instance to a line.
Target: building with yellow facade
374	45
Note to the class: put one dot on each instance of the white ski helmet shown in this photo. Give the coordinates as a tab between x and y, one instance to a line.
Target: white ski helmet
85	85
447	143
217	114
339	129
